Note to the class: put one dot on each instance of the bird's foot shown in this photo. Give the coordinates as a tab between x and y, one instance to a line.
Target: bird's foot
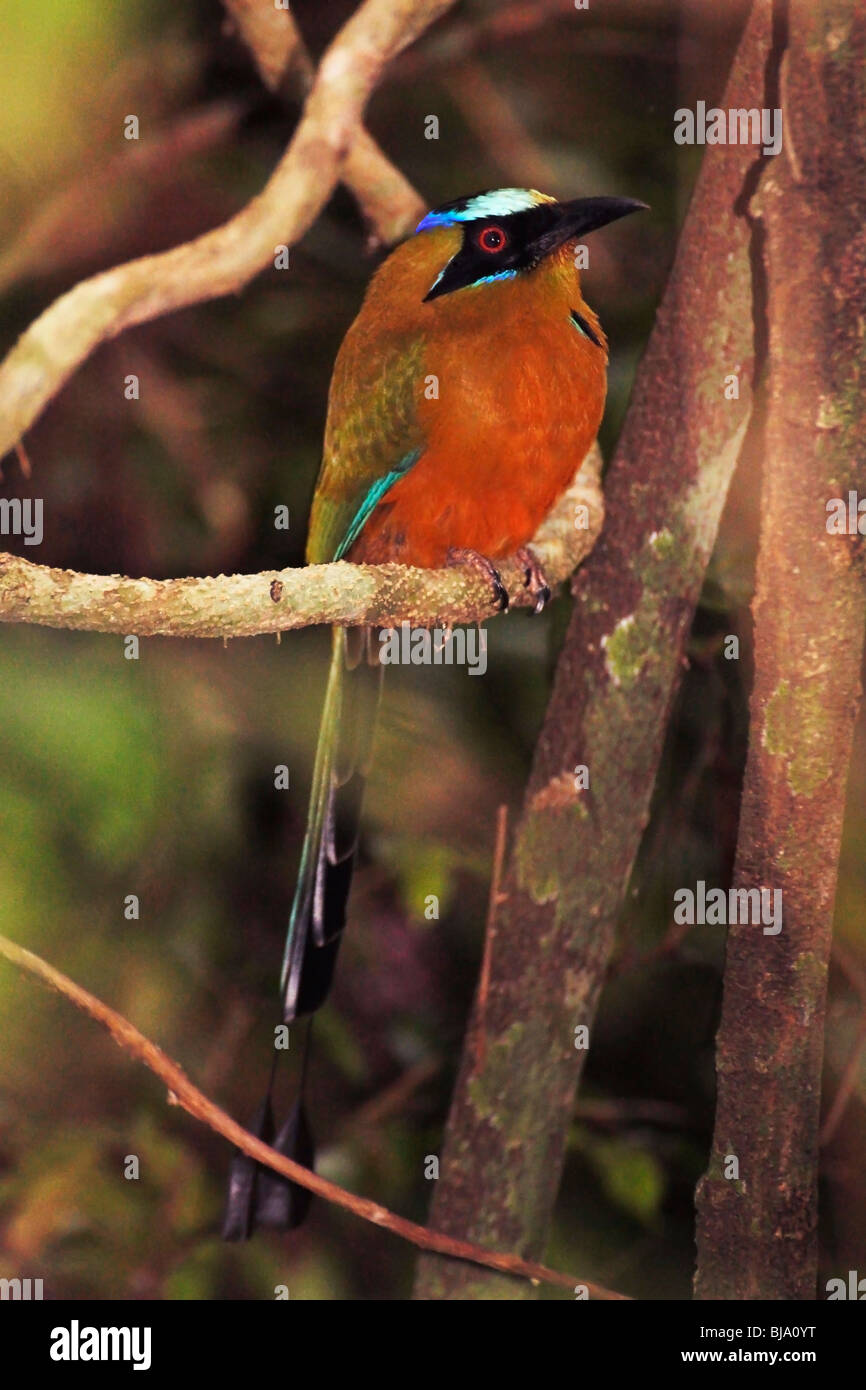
535	580
479	562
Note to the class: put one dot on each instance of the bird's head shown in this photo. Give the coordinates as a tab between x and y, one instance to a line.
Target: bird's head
509	231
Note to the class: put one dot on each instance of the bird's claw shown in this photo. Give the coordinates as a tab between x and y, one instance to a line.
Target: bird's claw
481	563
535	579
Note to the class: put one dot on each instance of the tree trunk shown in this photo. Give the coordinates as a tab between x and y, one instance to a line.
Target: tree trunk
757	1205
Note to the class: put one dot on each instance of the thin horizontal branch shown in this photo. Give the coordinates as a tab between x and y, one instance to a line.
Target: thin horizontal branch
224	260
242	605
182	1092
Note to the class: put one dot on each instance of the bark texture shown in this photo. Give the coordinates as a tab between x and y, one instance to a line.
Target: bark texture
757	1205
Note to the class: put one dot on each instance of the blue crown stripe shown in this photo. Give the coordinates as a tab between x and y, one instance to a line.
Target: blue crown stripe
499	202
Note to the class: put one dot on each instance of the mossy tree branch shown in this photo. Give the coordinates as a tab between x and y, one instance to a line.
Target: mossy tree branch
244	604
757	1226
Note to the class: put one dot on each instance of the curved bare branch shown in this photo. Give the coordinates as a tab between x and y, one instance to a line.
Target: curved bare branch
224	260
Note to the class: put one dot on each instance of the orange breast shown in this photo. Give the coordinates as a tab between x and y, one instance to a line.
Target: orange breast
519	403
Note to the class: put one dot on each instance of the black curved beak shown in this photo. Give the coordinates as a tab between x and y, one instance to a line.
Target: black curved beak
579	217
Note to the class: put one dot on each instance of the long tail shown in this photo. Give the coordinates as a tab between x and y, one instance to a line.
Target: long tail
257	1197
342	762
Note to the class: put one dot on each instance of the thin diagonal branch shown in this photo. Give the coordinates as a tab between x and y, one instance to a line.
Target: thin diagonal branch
847	1086
182	1092
82	218
386	198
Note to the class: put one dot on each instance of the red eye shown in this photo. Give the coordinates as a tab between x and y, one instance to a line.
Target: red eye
492	239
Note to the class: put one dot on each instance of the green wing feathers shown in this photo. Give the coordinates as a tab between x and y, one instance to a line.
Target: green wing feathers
372	437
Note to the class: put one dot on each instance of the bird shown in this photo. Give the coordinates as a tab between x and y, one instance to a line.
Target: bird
463	399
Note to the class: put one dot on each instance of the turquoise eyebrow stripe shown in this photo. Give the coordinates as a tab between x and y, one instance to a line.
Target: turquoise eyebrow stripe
372	500
482	279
